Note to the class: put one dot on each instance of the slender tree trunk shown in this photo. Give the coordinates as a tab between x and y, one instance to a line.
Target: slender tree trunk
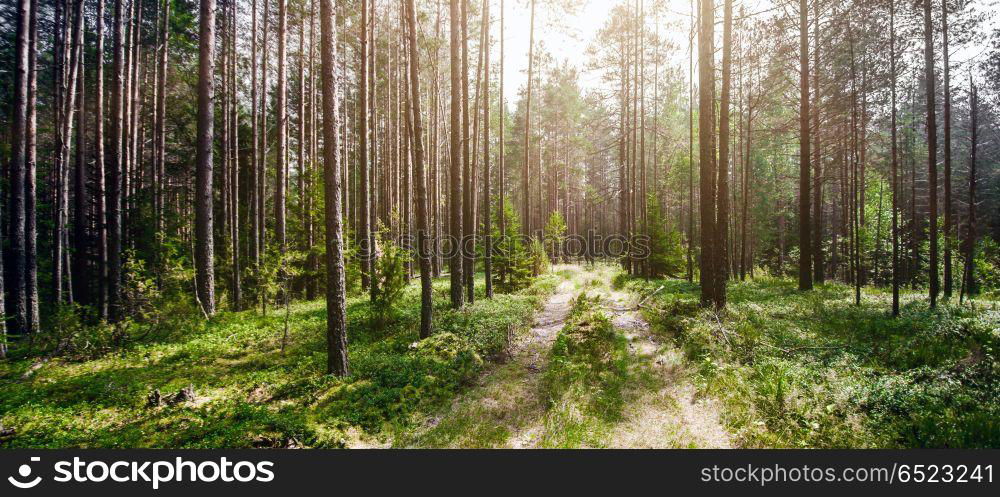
414	117
819	273
805	226
31	156
280	107
364	188
468	242
81	281
969	278
526	218
254	179
948	225
455	173
690	240
336	300
114	197
932	185
17	172
234	196
487	232
706	148
895	161
204	246
722	219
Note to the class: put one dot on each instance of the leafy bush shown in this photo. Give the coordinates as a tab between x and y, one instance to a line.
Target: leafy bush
555	235
390	276
666	253
512	269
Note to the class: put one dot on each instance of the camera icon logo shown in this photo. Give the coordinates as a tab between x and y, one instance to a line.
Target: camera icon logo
25	471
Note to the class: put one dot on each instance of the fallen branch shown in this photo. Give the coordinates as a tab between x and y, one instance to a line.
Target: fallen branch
647	297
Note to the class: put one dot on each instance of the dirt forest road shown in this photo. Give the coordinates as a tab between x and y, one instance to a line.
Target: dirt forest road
508	408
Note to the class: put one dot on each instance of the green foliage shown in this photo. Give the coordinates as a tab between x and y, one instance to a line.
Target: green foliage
666	253
537	258
555	235
248	393
987	258
390	276
810	369
511	266
589	362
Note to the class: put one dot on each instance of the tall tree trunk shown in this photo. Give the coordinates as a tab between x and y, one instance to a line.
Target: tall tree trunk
234	236
252	190
455	173
819	273
31	156
336	299
81	281
114	197
706	148
932	179
364	187
17	172
262	155
468	242
948	226
502	156
487	233
423	255
722	217
690	226
204	246
969	277
805	226
280	168
526	218
159	132
895	160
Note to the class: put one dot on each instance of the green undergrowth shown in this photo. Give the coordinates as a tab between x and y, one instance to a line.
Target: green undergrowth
251	393
811	369
587	380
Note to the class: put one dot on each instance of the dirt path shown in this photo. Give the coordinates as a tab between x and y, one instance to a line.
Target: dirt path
669	413
508	408
505	410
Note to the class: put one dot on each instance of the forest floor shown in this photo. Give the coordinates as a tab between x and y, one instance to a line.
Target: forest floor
816	369
523	403
598	359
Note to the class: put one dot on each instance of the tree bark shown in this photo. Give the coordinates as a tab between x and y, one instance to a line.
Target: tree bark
336	321
17	166
204	246
455	173
31	156
895	160
722	217
526	218
423	255
280	104
706	148
364	188
948	227
931	152
805	220
487	232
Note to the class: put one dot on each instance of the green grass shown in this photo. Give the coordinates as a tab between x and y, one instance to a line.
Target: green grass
811	369
251	394
587	381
